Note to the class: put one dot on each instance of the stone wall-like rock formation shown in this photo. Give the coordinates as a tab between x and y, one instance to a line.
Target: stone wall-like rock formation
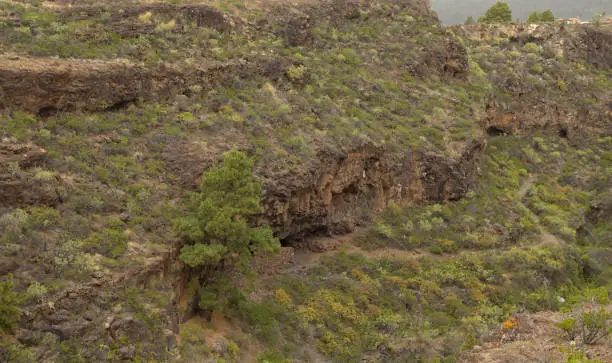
45	86
338	190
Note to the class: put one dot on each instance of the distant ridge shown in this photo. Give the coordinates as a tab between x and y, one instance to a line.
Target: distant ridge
456	11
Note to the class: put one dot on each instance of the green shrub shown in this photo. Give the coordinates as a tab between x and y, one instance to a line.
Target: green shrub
590	326
12	226
532	48
470	20
19	126
272	356
13	352
576	356
110	242
193	337
9	301
545	16
296	73
595	326
35	291
534	17
42	218
570	328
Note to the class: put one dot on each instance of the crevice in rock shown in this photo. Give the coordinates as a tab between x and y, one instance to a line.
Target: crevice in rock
123	104
495	131
47	111
302	241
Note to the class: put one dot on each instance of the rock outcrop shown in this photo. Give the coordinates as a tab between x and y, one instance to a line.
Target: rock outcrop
18	183
44	86
338	190
577	43
522	106
341	190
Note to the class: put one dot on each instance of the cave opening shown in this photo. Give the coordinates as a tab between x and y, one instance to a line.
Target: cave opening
563	132
495	131
301	239
287	241
118	106
47	111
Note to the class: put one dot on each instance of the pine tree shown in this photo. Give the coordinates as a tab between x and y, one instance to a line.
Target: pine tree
547	16
470	20
216	227
534	17
498	13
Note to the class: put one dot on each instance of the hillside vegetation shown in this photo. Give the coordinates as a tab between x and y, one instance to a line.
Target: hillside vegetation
153	157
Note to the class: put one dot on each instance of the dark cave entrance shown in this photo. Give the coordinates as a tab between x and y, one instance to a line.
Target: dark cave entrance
47	111
495	131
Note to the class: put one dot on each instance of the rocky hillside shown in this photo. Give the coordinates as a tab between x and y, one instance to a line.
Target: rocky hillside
356	114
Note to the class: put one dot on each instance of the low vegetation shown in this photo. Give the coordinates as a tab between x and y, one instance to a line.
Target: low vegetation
525	238
476	262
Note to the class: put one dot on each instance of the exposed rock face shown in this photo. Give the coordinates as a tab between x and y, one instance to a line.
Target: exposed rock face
446	59
593	45
18	185
338	190
524	116
44	86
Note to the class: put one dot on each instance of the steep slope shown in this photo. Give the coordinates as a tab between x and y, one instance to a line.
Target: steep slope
111	113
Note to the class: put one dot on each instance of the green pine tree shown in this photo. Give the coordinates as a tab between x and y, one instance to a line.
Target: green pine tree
470	20
547	16
498	13
216	227
534	17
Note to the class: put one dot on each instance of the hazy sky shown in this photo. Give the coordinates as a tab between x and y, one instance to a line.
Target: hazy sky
456	11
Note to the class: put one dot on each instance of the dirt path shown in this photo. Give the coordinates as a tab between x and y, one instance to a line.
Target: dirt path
305	259
329	246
